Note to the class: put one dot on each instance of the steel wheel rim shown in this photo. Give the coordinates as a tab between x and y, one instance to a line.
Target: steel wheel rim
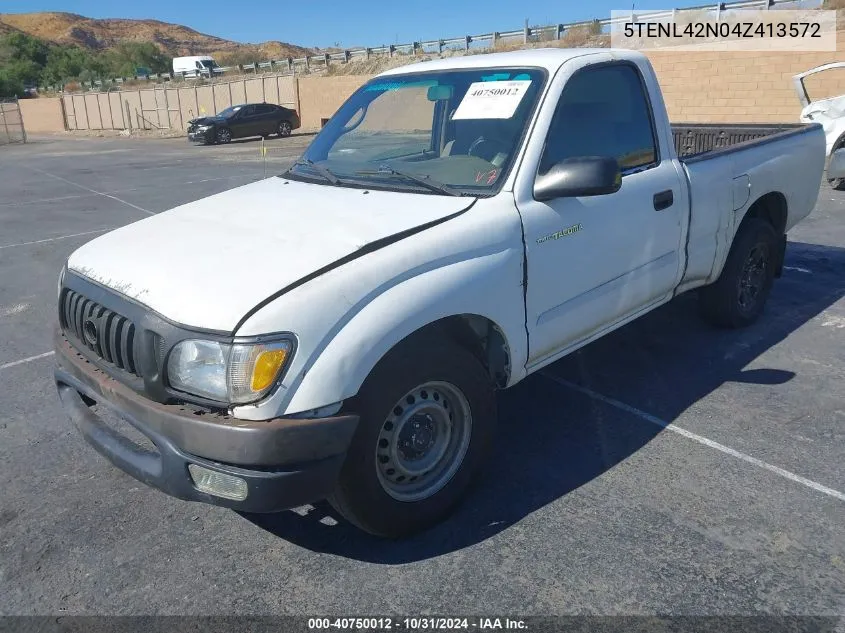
753	278
423	441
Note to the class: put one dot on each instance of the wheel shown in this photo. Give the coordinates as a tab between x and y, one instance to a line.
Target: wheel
738	297
284	128
428	413
224	135
837	183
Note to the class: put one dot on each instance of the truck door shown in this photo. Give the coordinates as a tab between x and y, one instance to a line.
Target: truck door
595	260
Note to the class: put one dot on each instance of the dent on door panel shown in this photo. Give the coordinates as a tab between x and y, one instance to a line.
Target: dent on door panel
712	197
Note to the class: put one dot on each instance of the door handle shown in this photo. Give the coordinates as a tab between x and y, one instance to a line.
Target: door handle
664	200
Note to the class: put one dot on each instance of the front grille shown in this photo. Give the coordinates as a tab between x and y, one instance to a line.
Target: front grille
108	334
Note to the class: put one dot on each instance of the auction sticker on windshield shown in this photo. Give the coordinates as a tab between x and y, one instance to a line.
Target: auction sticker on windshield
491	100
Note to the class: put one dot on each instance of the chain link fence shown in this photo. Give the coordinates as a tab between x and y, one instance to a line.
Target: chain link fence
11	122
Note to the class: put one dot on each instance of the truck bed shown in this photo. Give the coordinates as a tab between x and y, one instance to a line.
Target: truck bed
698	141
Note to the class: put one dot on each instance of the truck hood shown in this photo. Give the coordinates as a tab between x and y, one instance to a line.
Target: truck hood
206	264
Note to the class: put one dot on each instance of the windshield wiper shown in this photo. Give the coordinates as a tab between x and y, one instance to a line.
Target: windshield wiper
426	181
325	172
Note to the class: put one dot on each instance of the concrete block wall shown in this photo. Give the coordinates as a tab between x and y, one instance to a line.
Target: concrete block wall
742	87
320	97
699	87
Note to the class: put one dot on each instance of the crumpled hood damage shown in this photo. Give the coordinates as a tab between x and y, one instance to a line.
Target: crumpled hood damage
207	263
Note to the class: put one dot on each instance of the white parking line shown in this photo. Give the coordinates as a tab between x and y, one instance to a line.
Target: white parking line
697	438
40	200
53	239
126	190
15	363
99	193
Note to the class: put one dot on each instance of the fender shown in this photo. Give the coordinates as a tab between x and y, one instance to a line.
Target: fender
341	368
337	366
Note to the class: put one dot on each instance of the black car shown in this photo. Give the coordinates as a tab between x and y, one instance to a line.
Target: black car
250	119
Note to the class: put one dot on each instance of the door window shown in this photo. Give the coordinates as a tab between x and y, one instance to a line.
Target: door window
603	111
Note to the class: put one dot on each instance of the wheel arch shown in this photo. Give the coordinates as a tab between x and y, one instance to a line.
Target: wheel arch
774	209
771	207
355	358
478	334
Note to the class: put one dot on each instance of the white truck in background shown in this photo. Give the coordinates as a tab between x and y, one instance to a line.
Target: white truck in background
194	66
340	330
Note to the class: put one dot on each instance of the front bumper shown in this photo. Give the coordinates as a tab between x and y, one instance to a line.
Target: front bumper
201	137
285	462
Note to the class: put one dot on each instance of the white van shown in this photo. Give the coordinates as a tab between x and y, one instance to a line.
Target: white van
194	66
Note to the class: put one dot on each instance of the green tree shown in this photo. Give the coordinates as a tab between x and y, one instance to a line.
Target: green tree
23	47
65	63
26	60
122	60
10	86
21	60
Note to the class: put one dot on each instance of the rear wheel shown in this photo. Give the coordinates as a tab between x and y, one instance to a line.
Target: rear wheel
428	413
284	128
738	297
224	135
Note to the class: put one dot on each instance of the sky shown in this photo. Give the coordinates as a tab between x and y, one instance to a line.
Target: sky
347	23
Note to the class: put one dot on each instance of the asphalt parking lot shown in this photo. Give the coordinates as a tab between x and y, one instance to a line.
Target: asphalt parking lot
668	468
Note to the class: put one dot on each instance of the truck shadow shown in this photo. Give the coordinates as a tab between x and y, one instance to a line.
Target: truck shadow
553	440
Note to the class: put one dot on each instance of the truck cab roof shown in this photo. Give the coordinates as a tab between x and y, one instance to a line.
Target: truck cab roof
548	58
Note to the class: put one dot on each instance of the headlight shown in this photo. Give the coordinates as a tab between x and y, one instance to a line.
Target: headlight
203	128
236	374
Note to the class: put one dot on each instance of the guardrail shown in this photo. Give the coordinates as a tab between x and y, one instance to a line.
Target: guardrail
527	34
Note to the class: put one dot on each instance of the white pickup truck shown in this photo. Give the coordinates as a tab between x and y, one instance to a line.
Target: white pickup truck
339	331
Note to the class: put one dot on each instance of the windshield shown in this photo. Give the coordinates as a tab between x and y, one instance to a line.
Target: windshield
229	111
453	132
208	63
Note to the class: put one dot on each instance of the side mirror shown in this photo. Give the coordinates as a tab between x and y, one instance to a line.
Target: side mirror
582	176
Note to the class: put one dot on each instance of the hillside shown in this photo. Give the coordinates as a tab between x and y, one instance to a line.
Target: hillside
172	39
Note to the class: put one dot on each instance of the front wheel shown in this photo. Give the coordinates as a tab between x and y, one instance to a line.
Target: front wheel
738	297
224	135
428	413
284	129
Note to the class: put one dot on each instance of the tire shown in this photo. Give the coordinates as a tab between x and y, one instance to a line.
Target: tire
224	135
837	183
284	129
738	297
434	375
